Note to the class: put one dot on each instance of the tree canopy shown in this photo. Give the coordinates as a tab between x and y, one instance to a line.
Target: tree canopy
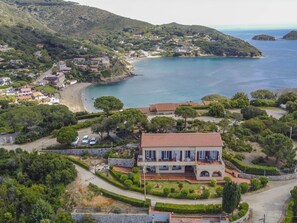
263	94
67	135
252	112
108	104
217	110
186	112
162	124
280	147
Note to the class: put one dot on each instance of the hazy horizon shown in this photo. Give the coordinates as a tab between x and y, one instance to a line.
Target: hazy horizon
221	14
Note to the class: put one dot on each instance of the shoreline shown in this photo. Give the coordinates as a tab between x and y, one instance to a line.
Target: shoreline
72	97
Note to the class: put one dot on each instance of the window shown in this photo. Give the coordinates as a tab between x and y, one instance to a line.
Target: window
201	155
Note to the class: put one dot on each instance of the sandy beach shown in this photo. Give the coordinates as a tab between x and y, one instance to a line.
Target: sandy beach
71	96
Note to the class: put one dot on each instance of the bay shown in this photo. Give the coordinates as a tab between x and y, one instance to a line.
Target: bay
189	79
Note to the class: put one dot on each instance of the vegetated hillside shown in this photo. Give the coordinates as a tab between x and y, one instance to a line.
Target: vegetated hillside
264	37
78	20
291	35
124	34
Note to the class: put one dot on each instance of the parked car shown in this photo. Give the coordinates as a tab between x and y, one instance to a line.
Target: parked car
93	141
85	140
75	143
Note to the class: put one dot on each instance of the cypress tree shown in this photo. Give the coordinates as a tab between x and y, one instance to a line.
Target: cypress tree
231	197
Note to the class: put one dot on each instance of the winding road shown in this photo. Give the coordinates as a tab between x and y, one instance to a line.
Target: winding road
269	201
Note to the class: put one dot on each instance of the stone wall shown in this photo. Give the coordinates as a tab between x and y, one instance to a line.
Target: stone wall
271	178
116	218
79	152
121	162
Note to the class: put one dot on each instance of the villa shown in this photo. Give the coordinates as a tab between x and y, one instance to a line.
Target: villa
198	153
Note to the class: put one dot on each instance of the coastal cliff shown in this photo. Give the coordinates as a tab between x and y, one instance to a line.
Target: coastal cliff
291	35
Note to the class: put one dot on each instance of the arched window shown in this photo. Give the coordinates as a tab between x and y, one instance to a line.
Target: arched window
216	174
204	174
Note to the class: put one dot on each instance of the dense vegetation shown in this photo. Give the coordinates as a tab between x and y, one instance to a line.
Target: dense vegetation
32	187
121	34
264	37
34	121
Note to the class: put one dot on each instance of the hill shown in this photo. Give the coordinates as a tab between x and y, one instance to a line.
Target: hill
264	37
291	35
124	34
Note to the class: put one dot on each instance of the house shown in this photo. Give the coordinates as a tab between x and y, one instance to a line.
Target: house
79	60
4	81
38	95
25	91
198	153
169	108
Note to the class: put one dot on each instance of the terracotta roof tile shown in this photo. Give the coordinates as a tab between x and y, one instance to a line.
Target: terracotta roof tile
149	140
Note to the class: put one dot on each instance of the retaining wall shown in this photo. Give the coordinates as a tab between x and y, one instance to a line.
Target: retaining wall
121	162
115	218
271	178
79	152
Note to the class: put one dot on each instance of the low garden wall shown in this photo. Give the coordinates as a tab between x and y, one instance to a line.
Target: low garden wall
271	178
115	218
121	162
244	218
79	152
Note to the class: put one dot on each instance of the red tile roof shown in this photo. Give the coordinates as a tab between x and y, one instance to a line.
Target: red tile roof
149	140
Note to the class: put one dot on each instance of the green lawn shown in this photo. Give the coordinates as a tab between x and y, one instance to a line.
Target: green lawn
198	188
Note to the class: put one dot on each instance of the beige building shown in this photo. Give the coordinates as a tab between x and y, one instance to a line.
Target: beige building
199	153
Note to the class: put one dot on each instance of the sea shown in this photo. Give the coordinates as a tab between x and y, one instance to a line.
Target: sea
189	79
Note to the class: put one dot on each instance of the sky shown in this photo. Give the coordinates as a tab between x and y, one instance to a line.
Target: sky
215	13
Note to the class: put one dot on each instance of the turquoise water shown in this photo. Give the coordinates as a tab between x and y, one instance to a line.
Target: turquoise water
189	79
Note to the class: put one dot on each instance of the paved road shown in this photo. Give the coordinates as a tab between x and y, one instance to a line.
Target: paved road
44	142
269	201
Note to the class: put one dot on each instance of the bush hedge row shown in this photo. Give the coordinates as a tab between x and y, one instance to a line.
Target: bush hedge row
252	169
290	213
78	162
129	200
88	116
189	209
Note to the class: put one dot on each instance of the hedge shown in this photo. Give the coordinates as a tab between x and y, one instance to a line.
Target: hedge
252	169
78	162
243	209
189	209
88	116
112	181
129	200
290	213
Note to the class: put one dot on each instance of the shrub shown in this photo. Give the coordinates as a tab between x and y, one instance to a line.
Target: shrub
116	210
264	181
213	183
219	191
205	194
136	179
227	179
290	212
243	209
166	191
255	184
110	180
128	183
172	190
130	176
149	188
264	103
135	170
252	112
189	209
184	192
245	187
123	177
191	191
239	156
129	200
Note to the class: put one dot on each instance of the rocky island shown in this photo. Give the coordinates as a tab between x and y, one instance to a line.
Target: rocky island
264	37
291	35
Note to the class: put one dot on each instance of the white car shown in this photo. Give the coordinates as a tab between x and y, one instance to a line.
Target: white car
75	143
85	140
93	141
